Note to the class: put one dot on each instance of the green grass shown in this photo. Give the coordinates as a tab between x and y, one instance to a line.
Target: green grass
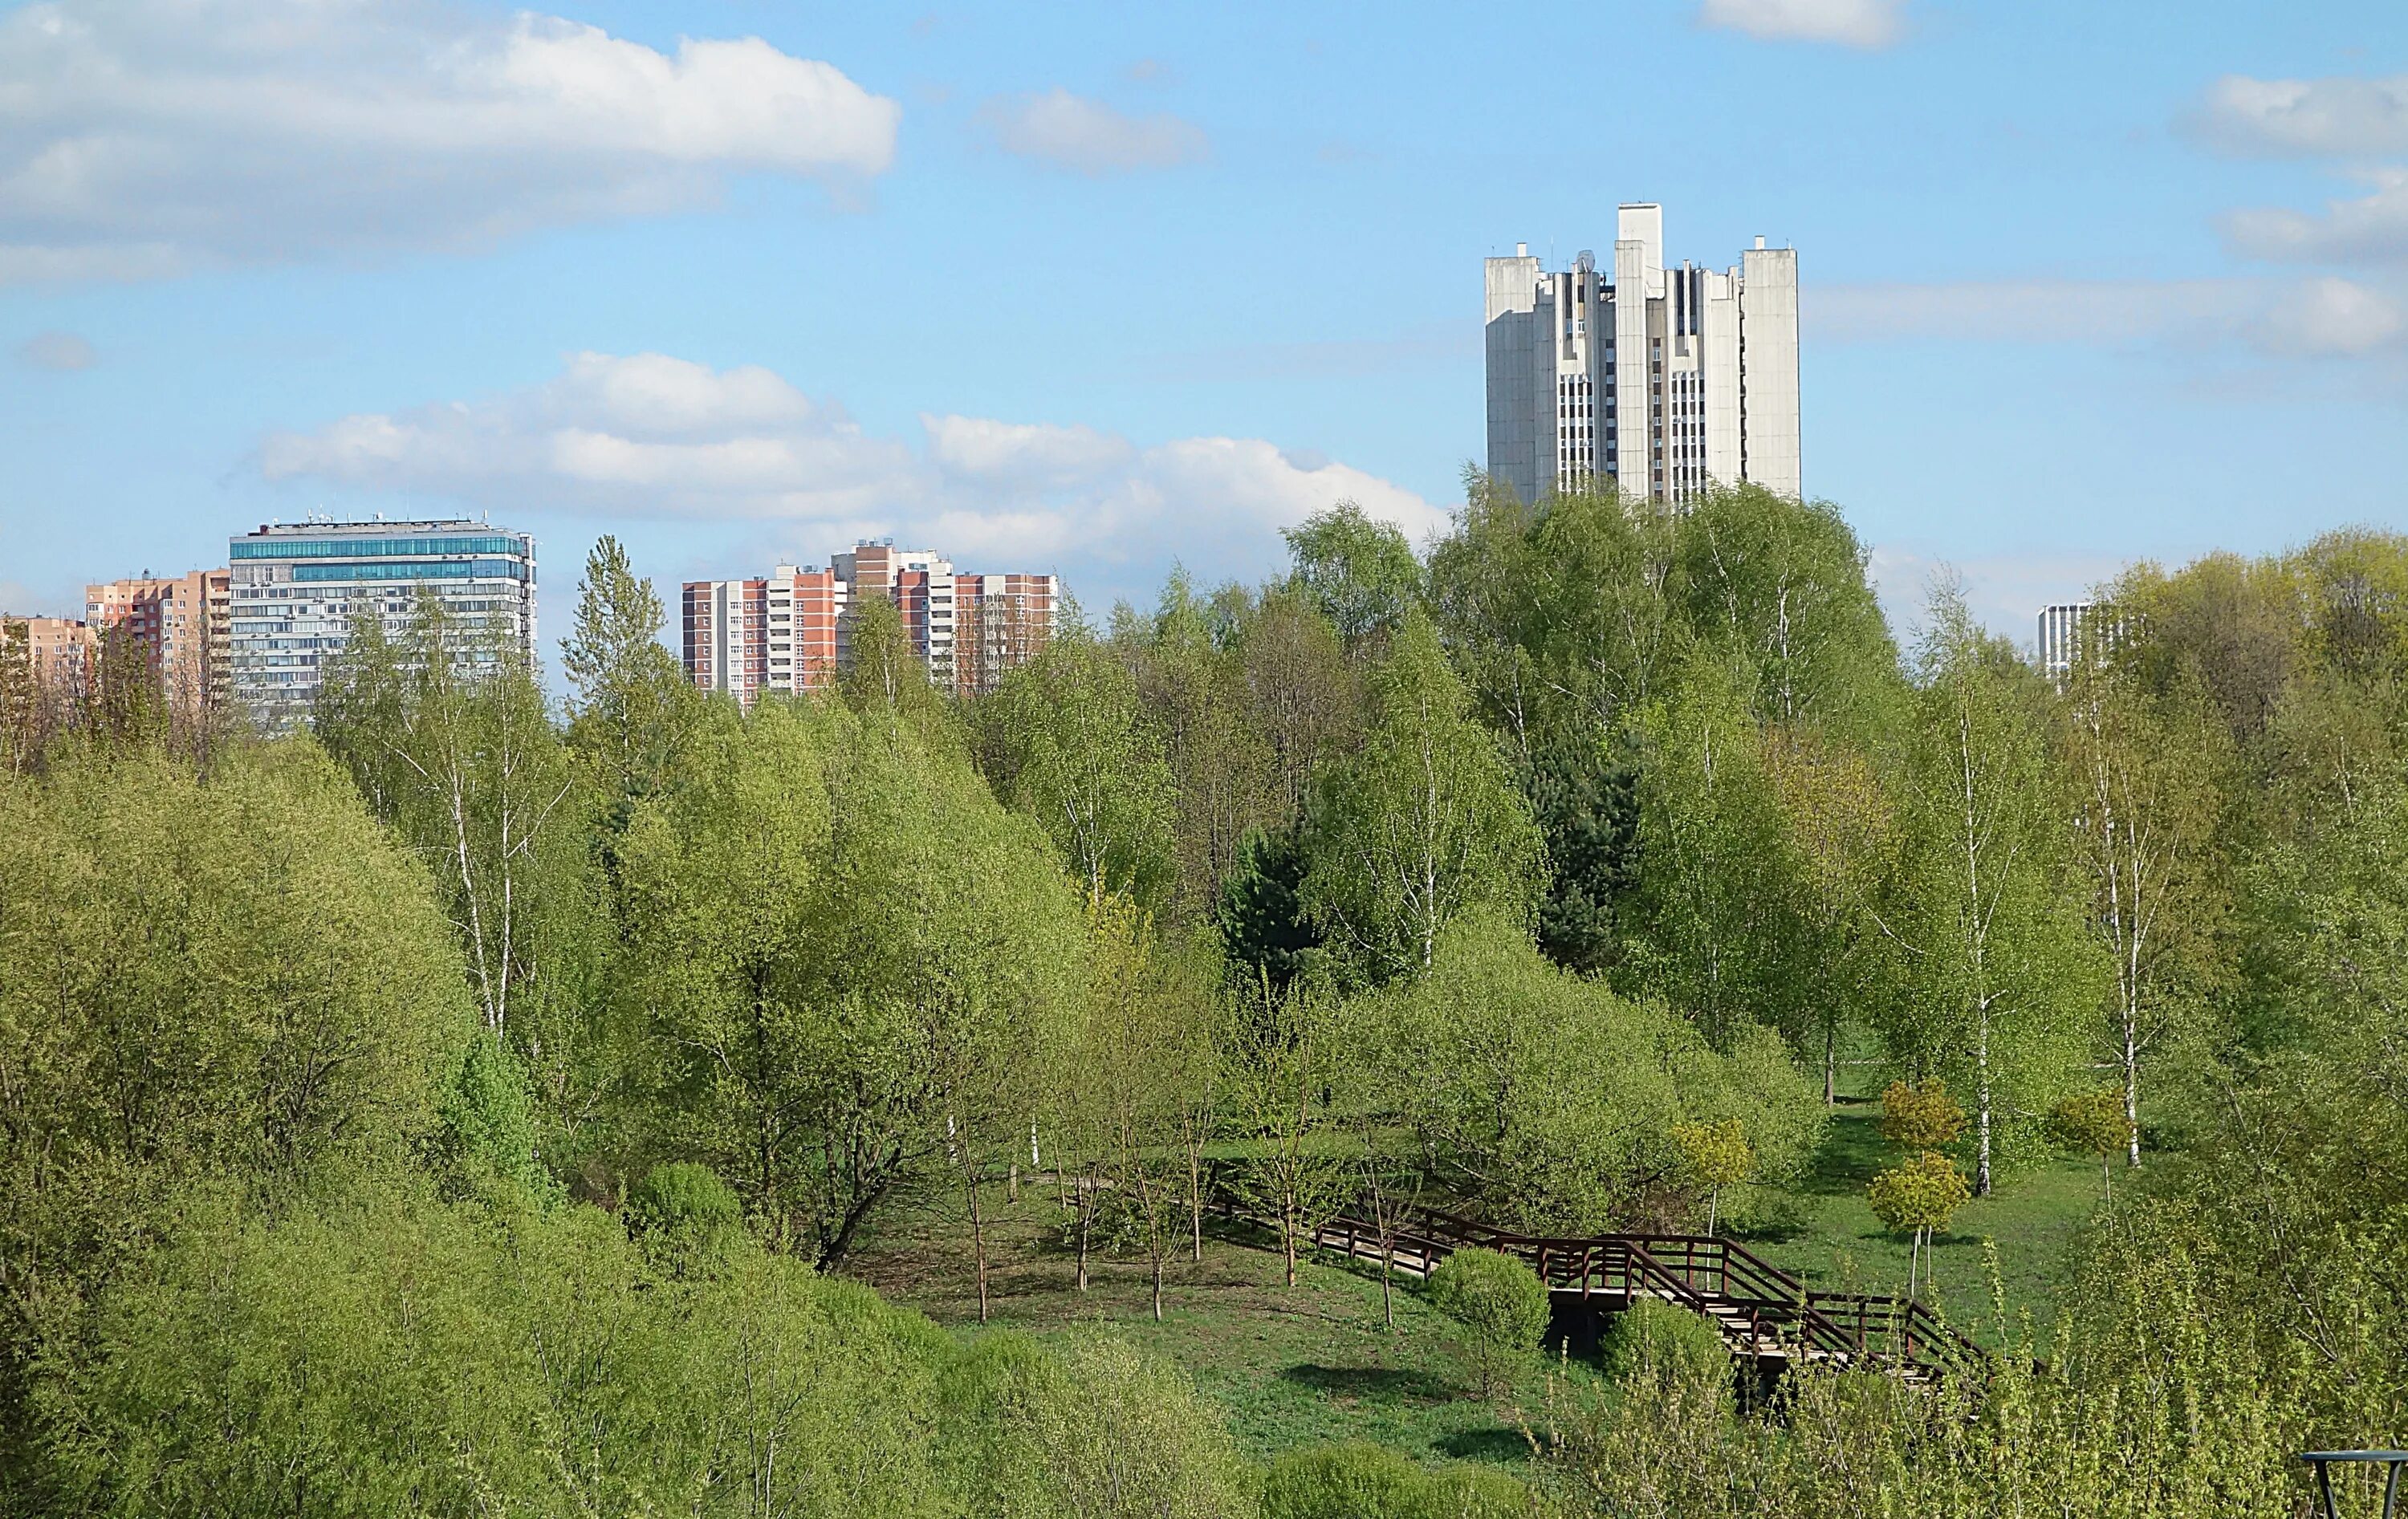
1291	1367
2030	1218
1315	1363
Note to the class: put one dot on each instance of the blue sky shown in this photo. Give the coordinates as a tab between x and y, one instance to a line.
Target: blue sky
1098	287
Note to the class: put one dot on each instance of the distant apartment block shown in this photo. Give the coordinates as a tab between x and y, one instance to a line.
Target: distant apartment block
791	632
1660	381
296	587
180	621
2071	632
58	650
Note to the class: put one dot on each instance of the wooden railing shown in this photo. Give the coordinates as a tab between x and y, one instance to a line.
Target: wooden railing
1762	1308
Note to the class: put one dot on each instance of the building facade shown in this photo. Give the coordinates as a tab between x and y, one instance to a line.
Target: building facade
296	587
1661	383
180	621
59	652
791	632
2071	632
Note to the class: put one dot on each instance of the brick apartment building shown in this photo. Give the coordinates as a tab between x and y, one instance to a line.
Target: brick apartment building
180	621
791	632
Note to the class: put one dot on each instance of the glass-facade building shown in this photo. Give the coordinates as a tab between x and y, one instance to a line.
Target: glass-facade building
298	586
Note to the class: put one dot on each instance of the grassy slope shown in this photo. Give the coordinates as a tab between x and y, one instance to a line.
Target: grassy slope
1296	1367
1292	1368
2031	1217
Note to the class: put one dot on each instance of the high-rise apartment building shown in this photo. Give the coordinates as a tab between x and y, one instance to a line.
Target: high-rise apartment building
1660	381
2072	632
296	586
793	631
180	621
58	651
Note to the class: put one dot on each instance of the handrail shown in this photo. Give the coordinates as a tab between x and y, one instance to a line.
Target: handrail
1699	1271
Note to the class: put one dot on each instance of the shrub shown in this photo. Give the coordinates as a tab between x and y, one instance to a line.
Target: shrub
1095	1430
1497	1298
1917	1197
1654	1340
1921	1115
2092	1123
1362	1481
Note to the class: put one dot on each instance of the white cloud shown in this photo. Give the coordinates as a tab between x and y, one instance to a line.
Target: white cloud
2372	229
2277	317
2330	316
986	452
1088	136
58	351
2330	117
139	138
1856	24
653	436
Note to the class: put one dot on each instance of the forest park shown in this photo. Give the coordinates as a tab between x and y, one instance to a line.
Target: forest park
495	1101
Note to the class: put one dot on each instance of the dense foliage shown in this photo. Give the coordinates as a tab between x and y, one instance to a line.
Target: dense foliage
454	1109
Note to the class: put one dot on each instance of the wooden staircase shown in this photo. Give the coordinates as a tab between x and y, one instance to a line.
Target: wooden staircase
1763	1312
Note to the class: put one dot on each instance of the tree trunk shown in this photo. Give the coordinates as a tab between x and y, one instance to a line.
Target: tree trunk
1981	1097
978	1221
1830	1064
1086	1206
2131	1087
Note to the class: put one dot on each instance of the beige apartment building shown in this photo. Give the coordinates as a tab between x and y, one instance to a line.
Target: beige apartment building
180	621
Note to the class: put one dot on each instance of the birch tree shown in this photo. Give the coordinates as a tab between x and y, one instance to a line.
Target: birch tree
1988	916
2143	780
1421	824
445	730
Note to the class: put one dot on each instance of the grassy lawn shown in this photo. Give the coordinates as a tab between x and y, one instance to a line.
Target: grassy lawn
1291	1367
1315	1363
1843	1247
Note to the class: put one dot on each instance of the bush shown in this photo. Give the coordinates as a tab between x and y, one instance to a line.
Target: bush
1095	1431
1656	1341
683	1198
1363	1481
1500	1300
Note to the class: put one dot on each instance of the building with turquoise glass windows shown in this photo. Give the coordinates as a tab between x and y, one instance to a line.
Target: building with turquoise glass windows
298	586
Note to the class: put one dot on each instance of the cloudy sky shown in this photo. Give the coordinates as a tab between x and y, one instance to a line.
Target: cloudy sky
1099	289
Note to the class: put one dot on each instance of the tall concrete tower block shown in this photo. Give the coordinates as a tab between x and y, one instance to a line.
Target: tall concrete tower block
1661	381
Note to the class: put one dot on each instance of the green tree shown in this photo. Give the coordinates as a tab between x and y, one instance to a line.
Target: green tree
2144	776
1302	695
1071	744
1097	1432
1719	931
1550	1099
1499	1301
1839	825
1422	824
445	730
630	702
1280	1084
2002	972
232	982
1918	1197
1921	1115
1781	584
1719	1155
849	968
1266	930
2093	1123
1585	795
1360	573
886	681
1192	686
